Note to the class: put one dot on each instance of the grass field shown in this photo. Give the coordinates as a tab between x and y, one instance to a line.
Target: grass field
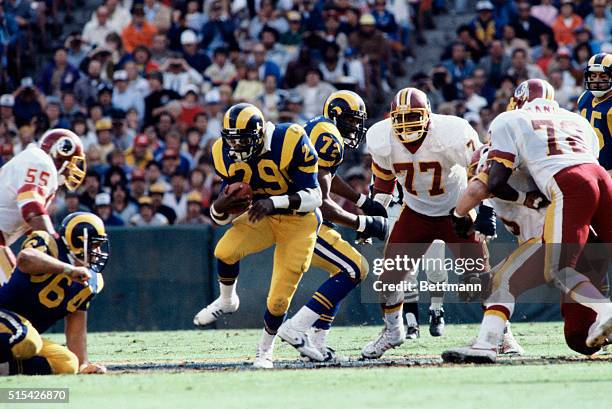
207	369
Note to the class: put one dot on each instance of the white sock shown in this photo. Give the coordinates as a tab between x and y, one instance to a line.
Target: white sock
4	368
411	320
304	319
267	340
491	332
393	319
228	292
319	337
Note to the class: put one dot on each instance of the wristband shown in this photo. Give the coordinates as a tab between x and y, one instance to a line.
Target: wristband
362	223
457	214
362	199
280	202
521	197
67	269
216	214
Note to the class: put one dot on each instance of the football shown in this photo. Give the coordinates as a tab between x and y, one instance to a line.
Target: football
240	190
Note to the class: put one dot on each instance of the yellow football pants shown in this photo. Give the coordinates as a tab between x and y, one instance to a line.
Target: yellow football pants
334	254
7	263
294	237
24	342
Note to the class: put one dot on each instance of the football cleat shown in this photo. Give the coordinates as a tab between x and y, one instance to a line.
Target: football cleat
387	339
318	337
299	340
436	322
214	310
263	358
509	345
465	355
412	327
600	331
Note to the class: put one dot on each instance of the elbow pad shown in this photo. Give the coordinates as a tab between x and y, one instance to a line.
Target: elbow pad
310	199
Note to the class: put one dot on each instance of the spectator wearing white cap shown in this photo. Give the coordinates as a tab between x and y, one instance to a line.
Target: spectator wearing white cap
123	98
104	210
195	57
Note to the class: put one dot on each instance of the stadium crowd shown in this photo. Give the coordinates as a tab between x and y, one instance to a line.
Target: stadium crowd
145	84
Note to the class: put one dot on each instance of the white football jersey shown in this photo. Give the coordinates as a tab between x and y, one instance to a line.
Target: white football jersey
525	223
28	177
543	138
433	177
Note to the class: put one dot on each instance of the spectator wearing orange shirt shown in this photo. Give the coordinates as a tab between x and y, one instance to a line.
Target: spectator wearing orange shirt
139	31
566	23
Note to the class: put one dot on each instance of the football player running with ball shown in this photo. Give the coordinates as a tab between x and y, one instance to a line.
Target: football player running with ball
279	164
428	154
341	126
55	278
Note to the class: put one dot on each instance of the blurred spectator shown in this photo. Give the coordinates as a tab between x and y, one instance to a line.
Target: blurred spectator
483	25
157	193
459	66
190	107
158	97
248	86
218	31
71	205
271	99
104	210
194	18
566	23
600	21
528	27
139	31
138	155
177	74
194	210
158	14
546	12
176	198
95	31
521	69
473	101
7	102
146	215
292	36
264	65
123	97
104	137
58	74
195	58
138	184
91	187
314	92
267	16
121	203
221	71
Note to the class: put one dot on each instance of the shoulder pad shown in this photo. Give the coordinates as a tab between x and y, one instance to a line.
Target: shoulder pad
42	241
218	160
378	138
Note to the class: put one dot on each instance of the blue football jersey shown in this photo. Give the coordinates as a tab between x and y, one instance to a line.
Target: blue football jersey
47	298
599	114
287	164
327	141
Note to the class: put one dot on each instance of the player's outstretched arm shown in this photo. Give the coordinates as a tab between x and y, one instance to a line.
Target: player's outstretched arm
35	262
471	197
368	205
76	341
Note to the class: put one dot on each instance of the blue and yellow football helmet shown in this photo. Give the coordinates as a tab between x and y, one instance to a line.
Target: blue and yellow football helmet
243	132
85	239
347	111
598	74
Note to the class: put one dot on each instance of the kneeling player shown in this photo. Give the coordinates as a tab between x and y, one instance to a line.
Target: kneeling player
342	124
279	163
54	279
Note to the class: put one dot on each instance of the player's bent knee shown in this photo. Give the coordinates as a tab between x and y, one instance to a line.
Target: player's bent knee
226	253
277	306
